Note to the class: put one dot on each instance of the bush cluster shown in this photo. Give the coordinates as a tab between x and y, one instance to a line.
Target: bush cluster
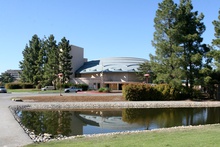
104	89
147	92
19	85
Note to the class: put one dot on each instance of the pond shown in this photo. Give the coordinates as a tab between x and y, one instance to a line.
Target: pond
81	122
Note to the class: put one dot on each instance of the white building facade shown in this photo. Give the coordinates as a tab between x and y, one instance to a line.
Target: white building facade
108	72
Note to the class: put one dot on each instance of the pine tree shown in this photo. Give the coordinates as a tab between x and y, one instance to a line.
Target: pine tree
51	61
40	65
65	59
213	72
216	42
166	62
216	23
189	36
180	54
30	64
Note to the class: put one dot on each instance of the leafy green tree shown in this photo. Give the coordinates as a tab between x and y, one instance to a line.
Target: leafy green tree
51	61
165	63
65	59
6	78
31	64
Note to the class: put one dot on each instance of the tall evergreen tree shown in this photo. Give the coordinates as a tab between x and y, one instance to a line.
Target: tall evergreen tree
180	54
40	65
216	42
30	63
166	62
65	59
216	24
189	36
51	61
213	76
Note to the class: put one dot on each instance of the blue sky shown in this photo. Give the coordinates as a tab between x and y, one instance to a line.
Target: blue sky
104	28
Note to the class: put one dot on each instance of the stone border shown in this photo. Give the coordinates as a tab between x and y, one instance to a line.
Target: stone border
100	105
120	104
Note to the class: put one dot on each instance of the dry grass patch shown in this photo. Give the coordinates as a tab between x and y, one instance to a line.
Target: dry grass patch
94	98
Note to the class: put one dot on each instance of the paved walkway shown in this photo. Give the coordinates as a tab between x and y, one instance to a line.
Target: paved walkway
12	135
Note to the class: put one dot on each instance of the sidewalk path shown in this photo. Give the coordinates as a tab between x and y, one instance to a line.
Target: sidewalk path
11	133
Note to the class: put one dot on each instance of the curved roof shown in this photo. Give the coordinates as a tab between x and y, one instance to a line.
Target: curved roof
114	64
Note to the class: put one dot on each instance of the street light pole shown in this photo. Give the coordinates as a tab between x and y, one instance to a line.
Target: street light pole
147	78
60	75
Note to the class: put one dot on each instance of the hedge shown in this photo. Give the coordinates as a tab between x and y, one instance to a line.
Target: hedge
147	92
19	85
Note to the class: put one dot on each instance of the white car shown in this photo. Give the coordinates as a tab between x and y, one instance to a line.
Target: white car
72	89
3	89
47	88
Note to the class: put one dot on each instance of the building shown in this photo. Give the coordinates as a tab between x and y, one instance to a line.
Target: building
78	59
109	72
14	73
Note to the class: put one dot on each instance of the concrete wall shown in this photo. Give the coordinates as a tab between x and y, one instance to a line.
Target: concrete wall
78	59
111	76
95	80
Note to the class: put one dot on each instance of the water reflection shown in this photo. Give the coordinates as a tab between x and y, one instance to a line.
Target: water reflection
163	118
71	123
53	122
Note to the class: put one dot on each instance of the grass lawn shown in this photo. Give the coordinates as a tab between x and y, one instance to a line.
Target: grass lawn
201	136
33	90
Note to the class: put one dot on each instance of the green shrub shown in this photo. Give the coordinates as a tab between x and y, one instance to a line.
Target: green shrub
166	90
13	86
19	85
146	92
27	85
154	94
135	92
104	89
101	89
171	93
107	89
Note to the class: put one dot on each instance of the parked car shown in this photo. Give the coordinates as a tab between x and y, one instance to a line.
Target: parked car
3	89
72	89
47	88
